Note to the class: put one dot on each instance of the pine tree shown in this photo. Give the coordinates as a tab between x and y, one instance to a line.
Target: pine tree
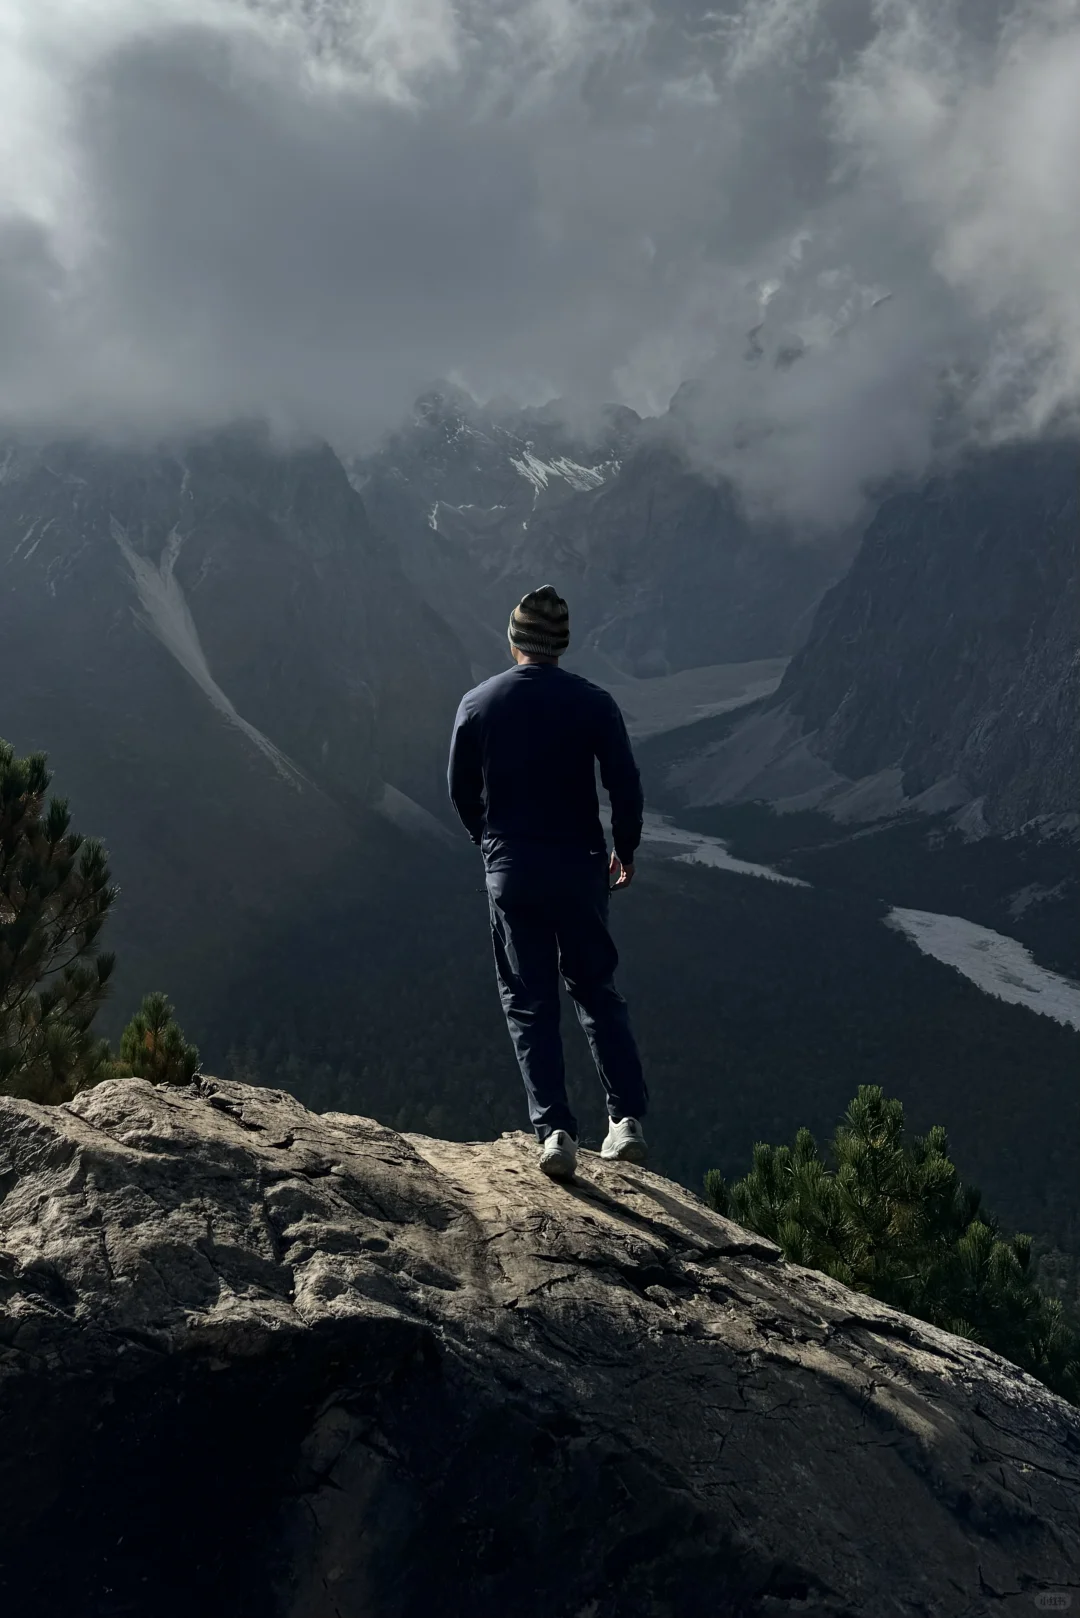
891	1218
55	894
153	1047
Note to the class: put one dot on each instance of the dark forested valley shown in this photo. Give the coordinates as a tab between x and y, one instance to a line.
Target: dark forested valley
759	1008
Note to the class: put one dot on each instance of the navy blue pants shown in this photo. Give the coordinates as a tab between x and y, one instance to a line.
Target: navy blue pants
548	918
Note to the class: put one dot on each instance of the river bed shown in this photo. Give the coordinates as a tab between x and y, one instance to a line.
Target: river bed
995	963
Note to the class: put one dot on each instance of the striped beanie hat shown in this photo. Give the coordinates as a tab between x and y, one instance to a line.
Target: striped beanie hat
540	623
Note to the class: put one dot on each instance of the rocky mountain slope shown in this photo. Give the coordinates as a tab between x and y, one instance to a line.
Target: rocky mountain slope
663	569
257	1361
943	670
230	672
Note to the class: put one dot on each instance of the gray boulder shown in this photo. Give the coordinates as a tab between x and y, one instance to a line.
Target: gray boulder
256	1361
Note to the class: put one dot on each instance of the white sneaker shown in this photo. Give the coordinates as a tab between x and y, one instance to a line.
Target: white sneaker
625	1141
558	1157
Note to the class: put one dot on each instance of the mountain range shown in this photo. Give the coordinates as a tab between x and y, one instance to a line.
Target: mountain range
942	672
243	661
233	678
663	568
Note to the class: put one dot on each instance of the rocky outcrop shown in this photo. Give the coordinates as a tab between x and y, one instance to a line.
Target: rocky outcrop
255	1361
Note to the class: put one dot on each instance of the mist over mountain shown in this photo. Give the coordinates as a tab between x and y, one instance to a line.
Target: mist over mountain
841	217
664	568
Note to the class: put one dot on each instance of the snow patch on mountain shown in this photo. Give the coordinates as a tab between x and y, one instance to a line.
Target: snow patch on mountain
23	540
444	505
540	472
39	537
168	616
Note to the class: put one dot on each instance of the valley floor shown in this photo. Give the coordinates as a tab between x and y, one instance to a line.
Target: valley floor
657	705
997	964
760	1006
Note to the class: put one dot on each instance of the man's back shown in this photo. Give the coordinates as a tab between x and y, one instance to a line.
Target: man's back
522	764
523	781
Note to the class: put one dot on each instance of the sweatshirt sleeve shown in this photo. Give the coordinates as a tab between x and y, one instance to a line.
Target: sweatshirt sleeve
465	776
619	774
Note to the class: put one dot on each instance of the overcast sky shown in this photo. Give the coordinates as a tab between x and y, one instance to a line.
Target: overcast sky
310	209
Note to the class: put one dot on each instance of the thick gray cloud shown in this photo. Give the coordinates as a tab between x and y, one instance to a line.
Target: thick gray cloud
308	210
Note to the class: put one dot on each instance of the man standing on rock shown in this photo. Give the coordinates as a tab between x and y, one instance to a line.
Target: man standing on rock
523	781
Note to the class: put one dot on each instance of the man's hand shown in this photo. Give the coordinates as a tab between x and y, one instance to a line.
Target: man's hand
625	872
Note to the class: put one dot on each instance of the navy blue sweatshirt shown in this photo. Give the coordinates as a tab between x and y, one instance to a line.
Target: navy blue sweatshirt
521	765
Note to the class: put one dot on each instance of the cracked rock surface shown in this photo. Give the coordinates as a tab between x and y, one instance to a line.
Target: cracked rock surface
257	1361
